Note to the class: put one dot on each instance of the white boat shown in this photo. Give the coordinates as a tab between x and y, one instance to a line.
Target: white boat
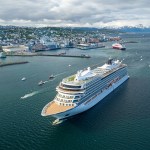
2	55
41	82
51	76
83	90
23	79
118	46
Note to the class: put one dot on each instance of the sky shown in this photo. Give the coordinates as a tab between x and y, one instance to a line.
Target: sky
75	13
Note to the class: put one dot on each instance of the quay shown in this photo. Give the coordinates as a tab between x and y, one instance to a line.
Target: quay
54	55
13	63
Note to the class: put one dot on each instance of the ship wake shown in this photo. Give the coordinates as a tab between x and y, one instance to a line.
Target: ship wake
29	94
61	73
58	121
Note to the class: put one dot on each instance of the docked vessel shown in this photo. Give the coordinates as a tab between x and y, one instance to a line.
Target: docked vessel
118	46
90	46
2	55
81	91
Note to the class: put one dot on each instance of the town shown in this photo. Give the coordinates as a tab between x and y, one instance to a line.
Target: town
22	40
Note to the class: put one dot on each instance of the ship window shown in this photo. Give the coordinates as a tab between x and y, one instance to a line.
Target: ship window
74	101
70	86
77	96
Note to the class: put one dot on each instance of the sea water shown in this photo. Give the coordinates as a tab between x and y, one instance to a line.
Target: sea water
119	121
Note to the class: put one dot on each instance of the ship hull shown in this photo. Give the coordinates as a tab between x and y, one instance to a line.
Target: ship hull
90	103
119	48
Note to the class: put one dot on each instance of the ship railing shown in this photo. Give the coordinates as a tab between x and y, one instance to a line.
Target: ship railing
70	91
45	108
114	69
71	87
66	100
65	104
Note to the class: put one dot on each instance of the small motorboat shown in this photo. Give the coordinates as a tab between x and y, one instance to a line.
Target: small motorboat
51	76
23	79
41	83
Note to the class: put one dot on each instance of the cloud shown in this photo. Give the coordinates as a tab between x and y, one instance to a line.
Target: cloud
74	12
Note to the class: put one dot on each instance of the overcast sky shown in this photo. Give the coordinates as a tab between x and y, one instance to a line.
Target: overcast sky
89	13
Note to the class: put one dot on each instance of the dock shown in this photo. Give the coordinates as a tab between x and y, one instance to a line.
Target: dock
53	55
13	63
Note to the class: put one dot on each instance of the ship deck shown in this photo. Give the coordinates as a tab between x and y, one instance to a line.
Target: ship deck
53	108
98	72
59	89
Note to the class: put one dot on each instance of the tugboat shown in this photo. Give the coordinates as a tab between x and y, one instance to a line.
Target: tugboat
118	46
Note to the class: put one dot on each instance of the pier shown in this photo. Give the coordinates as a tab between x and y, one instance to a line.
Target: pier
54	55
13	63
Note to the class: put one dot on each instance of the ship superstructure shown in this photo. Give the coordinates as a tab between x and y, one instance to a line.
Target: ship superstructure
81	91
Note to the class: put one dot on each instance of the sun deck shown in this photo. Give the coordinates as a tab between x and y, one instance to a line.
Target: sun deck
67	91
53	108
70	80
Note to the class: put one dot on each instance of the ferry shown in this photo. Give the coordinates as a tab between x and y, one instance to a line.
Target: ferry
83	90
118	46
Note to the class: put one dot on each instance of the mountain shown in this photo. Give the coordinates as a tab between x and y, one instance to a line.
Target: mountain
139	28
134	29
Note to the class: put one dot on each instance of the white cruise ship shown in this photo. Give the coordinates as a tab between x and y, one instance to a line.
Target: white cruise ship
79	92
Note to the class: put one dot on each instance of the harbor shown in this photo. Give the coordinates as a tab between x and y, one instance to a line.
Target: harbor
121	113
